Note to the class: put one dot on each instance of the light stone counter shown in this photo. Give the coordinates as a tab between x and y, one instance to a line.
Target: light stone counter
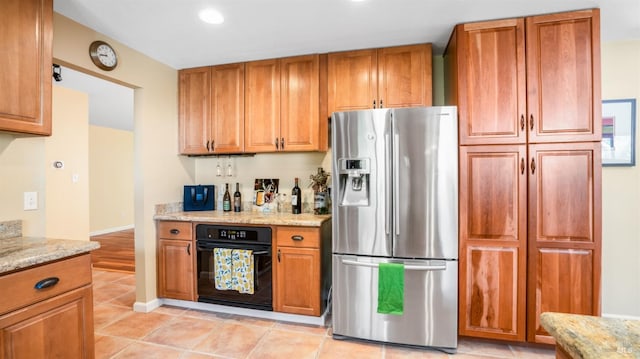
589	337
21	252
247	217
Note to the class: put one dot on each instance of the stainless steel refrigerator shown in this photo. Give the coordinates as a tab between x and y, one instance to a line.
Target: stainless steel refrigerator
395	200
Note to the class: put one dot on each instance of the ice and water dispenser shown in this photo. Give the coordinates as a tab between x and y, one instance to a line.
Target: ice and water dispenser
354	181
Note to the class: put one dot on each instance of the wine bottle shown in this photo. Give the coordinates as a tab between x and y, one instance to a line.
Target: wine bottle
237	199
226	200
296	199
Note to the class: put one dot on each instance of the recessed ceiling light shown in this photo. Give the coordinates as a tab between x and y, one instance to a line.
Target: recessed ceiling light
211	16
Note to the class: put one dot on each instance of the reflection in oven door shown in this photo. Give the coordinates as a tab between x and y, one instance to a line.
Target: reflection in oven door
262	271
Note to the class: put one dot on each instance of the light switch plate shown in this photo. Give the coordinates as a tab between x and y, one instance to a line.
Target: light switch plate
30	201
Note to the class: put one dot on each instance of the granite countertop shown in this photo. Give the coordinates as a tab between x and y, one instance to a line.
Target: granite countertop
21	252
584	336
247	217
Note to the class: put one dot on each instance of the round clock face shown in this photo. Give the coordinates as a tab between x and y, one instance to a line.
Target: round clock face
103	55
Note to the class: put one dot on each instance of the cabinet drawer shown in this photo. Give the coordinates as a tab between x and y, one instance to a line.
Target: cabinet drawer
307	237
174	230
19	287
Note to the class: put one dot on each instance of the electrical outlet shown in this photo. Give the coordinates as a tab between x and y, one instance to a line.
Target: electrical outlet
30	201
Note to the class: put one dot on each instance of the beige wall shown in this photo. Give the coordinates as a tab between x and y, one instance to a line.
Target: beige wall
110	179
67	198
22	162
159	172
621	192
284	166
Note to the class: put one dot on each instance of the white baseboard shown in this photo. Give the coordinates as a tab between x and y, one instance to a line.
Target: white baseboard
620	316
146	307
110	230
263	314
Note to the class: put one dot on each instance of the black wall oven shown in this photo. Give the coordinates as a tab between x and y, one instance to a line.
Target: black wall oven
255	239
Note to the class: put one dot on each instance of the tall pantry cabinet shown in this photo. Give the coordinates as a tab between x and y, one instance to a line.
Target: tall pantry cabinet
528	97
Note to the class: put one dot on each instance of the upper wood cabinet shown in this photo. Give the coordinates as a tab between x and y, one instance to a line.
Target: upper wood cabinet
376	78
283	110
26	60
485	66
211	109
538	83
563	77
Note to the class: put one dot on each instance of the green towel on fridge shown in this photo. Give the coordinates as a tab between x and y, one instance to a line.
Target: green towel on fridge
390	288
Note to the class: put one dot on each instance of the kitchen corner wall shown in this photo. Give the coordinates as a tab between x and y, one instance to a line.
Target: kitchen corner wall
621	192
159	172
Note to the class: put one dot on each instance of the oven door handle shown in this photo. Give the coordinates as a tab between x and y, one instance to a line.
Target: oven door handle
258	250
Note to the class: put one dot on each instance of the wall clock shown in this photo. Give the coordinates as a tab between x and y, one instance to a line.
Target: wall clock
103	55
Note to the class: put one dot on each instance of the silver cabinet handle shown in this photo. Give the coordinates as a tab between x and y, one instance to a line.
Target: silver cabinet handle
387	189
406	267
396	180
297	238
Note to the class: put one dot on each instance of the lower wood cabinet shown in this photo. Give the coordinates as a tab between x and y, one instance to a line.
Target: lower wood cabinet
298	270
60	327
176	261
301	265
303	262
52	322
530	237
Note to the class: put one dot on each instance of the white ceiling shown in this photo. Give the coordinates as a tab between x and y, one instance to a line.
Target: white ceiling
110	104
170	31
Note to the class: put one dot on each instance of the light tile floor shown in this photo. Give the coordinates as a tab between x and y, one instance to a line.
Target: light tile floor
170	332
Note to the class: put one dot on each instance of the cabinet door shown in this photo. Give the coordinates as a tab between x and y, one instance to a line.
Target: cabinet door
194	110
493	241
26	60
563	77
262	106
404	76
227	108
491	82
564	232
299	103
59	327
298	281
352	80
176	278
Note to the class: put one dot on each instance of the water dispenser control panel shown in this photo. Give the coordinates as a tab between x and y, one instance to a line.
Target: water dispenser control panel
354	181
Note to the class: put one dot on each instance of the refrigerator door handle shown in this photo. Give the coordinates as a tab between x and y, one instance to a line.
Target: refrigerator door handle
387	189
406	267
396	181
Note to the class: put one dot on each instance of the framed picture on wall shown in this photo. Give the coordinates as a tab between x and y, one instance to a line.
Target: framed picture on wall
618	132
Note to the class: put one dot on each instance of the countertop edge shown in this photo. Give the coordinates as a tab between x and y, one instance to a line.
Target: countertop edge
23	252
586	336
255	218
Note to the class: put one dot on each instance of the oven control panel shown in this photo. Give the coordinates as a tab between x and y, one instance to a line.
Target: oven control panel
208	232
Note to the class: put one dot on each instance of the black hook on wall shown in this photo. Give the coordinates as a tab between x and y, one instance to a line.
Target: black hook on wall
57	72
